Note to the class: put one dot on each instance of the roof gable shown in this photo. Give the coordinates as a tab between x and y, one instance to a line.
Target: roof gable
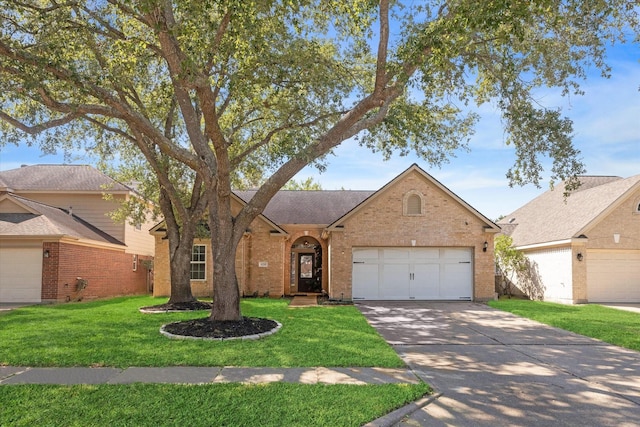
488	224
551	217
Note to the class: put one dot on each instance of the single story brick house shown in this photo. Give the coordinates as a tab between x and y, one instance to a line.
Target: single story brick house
57	241
413	239
583	248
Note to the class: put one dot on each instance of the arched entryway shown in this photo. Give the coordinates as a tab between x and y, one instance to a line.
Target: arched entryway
306	266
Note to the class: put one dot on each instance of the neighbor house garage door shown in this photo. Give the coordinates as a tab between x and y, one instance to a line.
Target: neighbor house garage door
412	273
613	276
20	274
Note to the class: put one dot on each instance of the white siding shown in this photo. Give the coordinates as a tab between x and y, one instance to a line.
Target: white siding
554	271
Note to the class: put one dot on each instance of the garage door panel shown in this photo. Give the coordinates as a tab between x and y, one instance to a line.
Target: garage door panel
613	276
457	254
454	285
426	284
20	274
365	281
360	254
395	281
395	255
425	254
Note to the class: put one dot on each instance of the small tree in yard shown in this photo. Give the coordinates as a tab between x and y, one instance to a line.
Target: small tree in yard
181	202
510	262
271	86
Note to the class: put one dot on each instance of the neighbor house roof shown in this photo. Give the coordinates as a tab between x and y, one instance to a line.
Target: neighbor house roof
33	219
309	207
53	178
551	217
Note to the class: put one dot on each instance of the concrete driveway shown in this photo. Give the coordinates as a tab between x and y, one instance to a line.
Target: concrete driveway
496	369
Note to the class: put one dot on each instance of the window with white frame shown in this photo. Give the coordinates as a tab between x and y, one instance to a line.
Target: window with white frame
198	262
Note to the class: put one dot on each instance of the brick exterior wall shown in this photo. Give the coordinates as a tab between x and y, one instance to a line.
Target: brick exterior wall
259	265
623	220
107	273
162	272
263	261
381	223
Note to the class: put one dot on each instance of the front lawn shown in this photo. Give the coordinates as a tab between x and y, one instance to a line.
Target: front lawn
277	404
618	327
114	333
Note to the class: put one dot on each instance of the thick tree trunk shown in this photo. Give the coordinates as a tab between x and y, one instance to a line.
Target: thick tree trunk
180	266
180	247
225	236
226	294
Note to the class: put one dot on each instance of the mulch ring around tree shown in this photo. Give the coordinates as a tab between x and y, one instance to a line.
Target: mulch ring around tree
245	328
205	328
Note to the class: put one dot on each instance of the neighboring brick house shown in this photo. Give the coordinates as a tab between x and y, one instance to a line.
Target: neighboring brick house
57	241
413	239
583	248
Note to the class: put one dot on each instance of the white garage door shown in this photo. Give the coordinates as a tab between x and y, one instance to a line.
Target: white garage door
613	276
412	274
20	274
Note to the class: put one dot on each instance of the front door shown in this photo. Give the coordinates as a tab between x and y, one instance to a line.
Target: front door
307	280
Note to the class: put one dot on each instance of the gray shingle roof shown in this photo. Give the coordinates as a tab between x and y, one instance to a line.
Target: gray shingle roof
309	207
59	178
550	217
49	221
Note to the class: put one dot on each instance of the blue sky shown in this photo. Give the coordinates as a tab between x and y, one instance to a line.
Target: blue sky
606	126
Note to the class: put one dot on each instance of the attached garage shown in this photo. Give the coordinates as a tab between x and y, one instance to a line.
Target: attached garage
613	276
21	278
412	273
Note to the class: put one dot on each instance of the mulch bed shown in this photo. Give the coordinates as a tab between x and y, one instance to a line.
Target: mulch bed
207	328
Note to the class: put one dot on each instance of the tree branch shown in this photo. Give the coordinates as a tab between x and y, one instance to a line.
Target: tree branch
33	130
383	43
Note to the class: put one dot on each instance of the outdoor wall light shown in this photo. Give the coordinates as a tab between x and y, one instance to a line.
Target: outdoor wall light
616	238
46	253
485	246
579	256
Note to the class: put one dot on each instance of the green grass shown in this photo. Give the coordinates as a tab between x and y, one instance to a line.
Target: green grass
114	333
277	404
618	327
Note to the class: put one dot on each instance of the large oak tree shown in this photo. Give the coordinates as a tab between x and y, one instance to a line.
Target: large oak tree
271	86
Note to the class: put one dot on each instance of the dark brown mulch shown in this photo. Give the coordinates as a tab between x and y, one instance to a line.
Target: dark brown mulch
179	306
207	328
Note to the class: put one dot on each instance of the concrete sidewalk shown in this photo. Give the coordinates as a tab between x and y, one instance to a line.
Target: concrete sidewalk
204	375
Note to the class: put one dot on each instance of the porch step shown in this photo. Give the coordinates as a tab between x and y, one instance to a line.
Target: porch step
304	301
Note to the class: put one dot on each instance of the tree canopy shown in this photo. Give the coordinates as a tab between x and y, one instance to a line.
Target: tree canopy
266	87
